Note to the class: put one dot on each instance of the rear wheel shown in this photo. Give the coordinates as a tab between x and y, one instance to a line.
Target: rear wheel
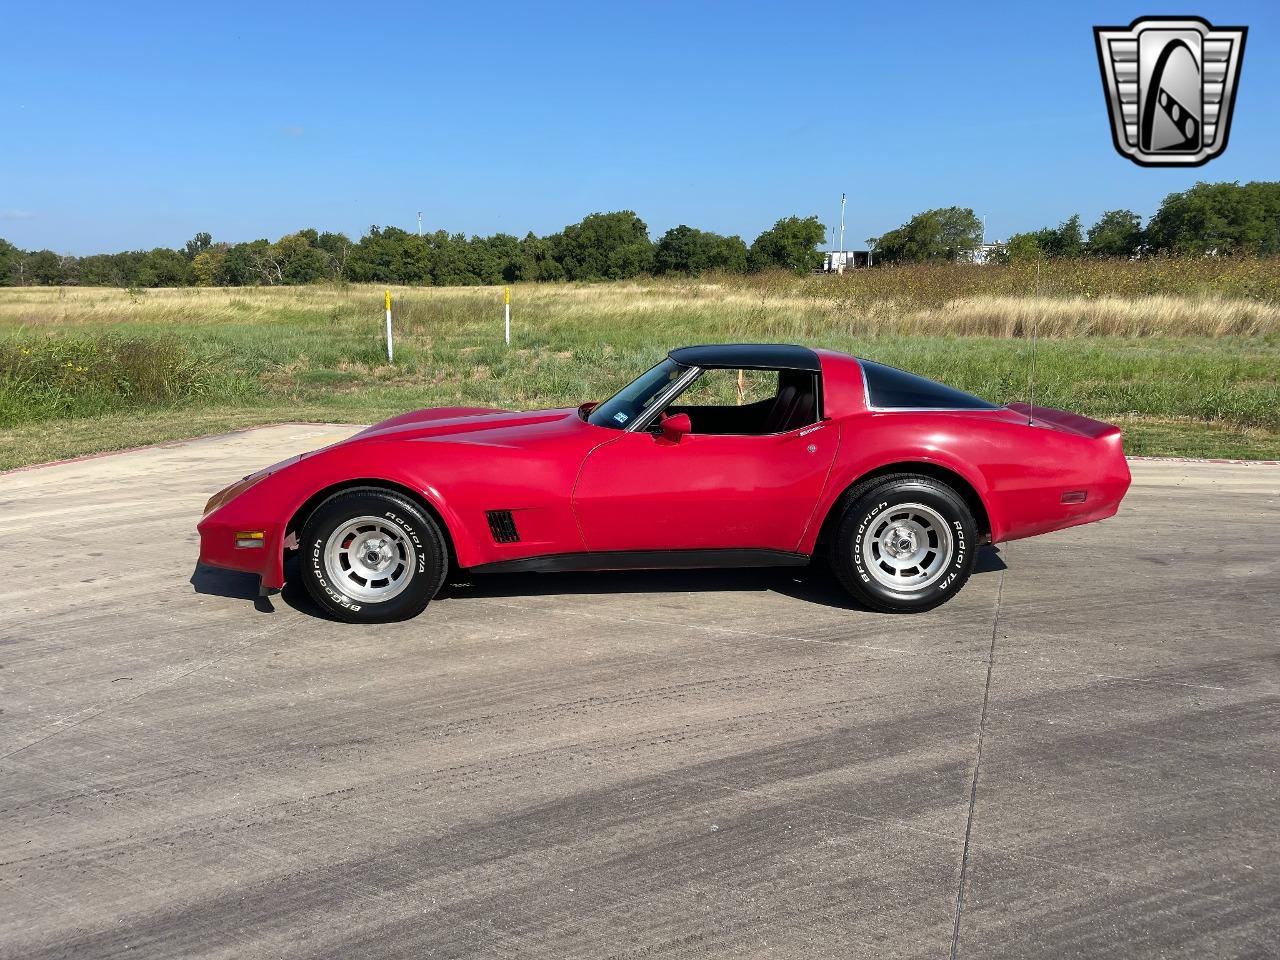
372	556
904	544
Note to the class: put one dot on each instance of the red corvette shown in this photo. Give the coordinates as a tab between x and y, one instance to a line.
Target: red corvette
723	455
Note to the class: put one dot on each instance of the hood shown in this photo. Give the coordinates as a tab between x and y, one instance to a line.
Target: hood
466	424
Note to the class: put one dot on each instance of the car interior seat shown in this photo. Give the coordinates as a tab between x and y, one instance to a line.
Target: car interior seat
795	403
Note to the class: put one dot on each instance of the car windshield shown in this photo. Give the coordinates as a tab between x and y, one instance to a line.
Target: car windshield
637	396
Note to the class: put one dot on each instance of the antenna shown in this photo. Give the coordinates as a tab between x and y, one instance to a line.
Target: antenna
419	223
1031	374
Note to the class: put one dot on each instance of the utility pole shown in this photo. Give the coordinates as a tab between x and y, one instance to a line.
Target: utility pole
842	225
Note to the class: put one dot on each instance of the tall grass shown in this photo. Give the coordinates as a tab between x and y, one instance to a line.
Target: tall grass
47	377
1175	341
936	284
1206	296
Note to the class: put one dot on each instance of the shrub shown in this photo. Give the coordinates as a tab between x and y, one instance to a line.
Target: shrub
57	376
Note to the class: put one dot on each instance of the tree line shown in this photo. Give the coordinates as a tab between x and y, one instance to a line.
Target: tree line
1209	218
602	246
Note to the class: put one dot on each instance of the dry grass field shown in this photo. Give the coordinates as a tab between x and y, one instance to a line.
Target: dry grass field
1185	355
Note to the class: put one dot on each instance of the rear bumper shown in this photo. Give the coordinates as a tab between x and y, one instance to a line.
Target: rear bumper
1082	478
1103	501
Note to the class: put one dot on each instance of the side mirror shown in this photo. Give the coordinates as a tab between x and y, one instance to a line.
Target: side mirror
586	408
676	426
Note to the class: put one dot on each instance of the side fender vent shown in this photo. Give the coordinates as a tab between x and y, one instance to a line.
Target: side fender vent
503	526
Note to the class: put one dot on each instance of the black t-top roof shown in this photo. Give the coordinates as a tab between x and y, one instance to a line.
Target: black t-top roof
749	356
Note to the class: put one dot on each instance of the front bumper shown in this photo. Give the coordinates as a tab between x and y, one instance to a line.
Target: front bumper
218	549
238	534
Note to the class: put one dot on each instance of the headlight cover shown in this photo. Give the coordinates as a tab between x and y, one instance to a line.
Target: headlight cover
227	494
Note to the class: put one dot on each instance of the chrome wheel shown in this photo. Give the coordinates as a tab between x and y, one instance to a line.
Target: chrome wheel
907	547
369	559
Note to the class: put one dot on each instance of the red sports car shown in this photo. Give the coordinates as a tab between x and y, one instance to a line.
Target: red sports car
722	455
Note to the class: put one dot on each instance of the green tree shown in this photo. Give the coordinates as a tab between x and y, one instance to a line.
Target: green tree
605	246
303	261
111	269
946	234
240	264
337	248
392	255
1027	246
729	254
493	259
685	250
537	259
1067	241
1219	218
10	258
791	243
163	267
1063	241
43	268
375	256
448	259
1118	233
198	244
209	266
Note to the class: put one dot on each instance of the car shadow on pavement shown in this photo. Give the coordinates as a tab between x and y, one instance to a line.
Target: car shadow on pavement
813	584
214	582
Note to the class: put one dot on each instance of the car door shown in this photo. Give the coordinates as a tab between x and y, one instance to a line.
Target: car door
643	491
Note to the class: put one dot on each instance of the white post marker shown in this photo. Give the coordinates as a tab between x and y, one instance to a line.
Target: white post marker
507	312
390	352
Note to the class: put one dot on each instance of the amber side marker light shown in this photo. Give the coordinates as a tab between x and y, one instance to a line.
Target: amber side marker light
249	538
1074	496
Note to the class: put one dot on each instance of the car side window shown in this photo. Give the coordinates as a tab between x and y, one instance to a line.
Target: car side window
748	402
723	388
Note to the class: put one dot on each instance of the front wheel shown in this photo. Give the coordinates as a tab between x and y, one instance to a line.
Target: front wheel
904	544
372	556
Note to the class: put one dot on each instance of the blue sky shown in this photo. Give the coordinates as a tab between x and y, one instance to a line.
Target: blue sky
135	125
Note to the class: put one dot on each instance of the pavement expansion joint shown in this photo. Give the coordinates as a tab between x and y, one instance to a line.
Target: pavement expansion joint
977	766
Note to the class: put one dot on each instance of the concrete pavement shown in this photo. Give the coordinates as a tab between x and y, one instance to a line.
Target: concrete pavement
1079	756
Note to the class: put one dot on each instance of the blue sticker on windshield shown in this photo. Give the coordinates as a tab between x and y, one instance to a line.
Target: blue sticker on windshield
620	417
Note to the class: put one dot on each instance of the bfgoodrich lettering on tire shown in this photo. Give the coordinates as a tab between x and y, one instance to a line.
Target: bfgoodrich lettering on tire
372	556
904	544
